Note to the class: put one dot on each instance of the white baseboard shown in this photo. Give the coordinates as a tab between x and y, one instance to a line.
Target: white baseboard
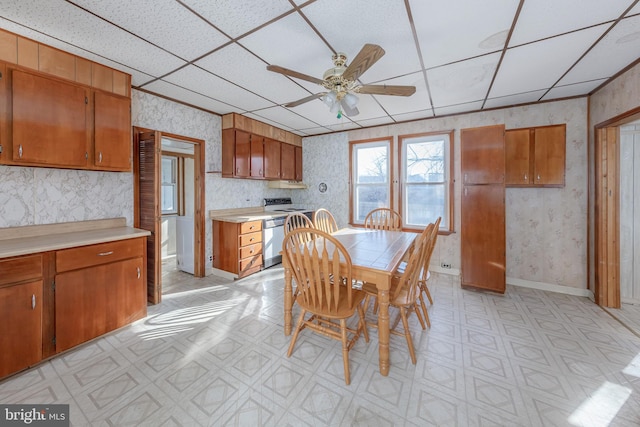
526	283
223	273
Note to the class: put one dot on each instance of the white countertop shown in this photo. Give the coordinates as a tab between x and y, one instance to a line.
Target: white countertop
26	240
244	214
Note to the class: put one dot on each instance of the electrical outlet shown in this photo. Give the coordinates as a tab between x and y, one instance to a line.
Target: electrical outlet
445	265
210	258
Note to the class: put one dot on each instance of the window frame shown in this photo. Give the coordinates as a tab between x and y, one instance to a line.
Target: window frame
447	221
174	184
396	177
353	184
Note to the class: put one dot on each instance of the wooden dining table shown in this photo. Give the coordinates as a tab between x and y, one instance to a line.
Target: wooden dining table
375	256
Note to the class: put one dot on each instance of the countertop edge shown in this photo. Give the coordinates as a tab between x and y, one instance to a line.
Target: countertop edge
38	244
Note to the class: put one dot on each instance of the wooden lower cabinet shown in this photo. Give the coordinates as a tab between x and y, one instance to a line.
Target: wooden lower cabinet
99	288
237	247
21	319
93	301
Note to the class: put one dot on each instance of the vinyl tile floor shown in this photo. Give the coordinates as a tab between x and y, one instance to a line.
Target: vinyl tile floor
213	353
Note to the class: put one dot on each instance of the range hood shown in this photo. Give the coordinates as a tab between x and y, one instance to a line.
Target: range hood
289	185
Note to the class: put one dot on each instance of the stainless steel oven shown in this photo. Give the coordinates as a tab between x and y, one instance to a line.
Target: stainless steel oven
273	228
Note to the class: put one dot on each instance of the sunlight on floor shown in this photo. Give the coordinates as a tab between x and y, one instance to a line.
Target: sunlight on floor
601	408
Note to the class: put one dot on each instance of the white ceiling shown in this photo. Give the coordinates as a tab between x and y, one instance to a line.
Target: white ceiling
462	55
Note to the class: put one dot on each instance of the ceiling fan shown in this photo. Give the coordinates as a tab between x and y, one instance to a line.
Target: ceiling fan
341	81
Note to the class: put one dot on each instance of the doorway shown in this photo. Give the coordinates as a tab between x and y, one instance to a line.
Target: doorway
168	196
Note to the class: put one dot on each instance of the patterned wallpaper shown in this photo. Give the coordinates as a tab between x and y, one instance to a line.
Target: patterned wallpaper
546	228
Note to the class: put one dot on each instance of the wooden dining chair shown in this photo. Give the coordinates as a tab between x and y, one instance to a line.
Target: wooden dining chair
425	274
324	220
383	219
322	270
295	221
404	291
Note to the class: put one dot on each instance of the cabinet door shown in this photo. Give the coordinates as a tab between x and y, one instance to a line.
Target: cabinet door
482	155
288	162
242	154
517	145
550	149
49	121
21	333
228	152
483	237
257	156
112	132
298	163
272	158
91	302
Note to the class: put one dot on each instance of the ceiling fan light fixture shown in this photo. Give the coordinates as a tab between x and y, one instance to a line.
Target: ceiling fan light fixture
351	100
330	99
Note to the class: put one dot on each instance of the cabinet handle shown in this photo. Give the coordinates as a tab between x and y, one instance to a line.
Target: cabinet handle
100	157
138	268
538	177
261	172
525	176
465	191
33	302
465	177
105	253
20	151
237	171
251	239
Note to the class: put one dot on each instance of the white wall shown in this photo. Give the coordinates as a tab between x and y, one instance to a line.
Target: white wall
546	227
630	214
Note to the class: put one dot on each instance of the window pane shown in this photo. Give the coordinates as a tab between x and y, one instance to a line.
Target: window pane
372	165
370	197
169	198
425	161
168	168
424	204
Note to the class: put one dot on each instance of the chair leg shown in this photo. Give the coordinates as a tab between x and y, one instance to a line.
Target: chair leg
416	308
362	322
345	351
299	326
425	288
423	306
407	334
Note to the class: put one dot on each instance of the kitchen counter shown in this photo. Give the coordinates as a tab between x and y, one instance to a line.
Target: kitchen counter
31	239
244	214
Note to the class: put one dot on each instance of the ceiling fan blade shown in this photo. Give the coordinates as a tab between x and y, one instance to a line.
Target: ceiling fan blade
303	100
387	90
291	73
368	55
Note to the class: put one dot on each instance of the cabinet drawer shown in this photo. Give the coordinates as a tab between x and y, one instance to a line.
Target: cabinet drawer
102	253
251	263
250	250
13	270
250	227
250	238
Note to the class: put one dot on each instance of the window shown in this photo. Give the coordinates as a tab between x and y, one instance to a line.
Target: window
371	177
425	177
422	178
169	185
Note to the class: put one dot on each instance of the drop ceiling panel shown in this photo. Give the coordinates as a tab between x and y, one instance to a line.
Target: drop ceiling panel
236	17
451	31
188	97
545	18
415	115
619	48
634	10
461	108
241	67
539	65
519	98
576	89
368	108
376	121
91	33
348	26
315	110
200	81
343	126
195	38
285	117
291	43
462	82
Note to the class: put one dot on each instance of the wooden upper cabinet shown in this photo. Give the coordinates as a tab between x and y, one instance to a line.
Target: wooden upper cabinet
535	157
272	158
517	156
482	155
236	153
49	123
298	151
112	132
257	156
288	162
550	153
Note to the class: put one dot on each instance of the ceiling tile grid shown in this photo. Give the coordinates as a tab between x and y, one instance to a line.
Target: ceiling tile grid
213	55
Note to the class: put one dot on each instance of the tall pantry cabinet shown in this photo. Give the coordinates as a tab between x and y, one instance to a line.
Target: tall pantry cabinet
483	236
